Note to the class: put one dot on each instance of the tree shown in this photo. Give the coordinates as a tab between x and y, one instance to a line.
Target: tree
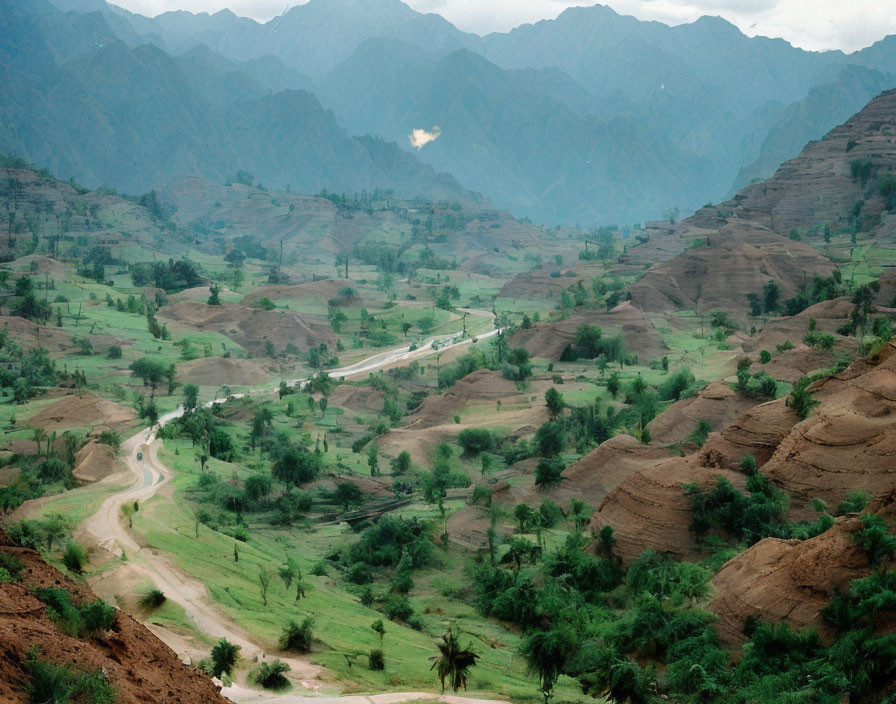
614	384
296	466
588	340
453	662
800	399
257	487
191	396
771	295
579	513
373	459
554	401
548	472
298	637
152	372
379	629
264	583
224	656
347	494
476	440
214	299
550	439
402	463
546	653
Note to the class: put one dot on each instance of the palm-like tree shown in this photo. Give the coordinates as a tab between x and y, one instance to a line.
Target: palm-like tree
454	661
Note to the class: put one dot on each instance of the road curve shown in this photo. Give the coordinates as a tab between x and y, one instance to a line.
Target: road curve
106	529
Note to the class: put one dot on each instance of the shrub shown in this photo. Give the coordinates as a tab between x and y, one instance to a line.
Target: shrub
76	621
677	385
376	660
270	675
397	608
319	569
153	599
402	583
800	399
765	357
58	684
114	352
74	557
298	637
11	564
476	440
549	472
359	573
224	656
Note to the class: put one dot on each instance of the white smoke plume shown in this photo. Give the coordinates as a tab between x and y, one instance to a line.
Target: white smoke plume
420	137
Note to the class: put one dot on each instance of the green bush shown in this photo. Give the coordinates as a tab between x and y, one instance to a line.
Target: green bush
376	660
397	607
57	684
74	557
270	675
224	656
476	440
152	599
549	472
298	637
77	621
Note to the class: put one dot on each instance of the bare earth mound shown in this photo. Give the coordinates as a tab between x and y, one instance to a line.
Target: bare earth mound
591	478
37	265
740	258
849	441
217	371
649	510
481	386
85	410
787	580
252	328
718	404
96	461
30	335
548	340
326	289
360	399
828	316
141	668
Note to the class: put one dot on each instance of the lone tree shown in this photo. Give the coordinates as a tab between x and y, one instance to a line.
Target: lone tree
347	494
224	656
453	661
554	401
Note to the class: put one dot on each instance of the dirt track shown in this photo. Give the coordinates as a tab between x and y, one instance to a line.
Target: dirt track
107	530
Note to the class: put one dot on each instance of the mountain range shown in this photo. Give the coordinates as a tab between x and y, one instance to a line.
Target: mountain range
591	118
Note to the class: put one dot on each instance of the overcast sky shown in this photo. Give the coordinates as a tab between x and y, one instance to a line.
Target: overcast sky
811	24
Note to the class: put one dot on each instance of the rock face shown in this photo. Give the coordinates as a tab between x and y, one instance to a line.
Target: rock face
848	443
141	668
738	259
787	580
548	340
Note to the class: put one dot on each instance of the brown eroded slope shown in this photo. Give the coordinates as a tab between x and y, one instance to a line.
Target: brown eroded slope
96	461
718	404
141	668
548	339
84	410
216	371
848	442
650	510
787	580
738	259
252	328
590	479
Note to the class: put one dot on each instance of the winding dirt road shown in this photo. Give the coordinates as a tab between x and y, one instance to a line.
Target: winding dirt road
106	529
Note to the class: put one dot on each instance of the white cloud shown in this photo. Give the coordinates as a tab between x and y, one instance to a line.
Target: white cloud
420	138
811	24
